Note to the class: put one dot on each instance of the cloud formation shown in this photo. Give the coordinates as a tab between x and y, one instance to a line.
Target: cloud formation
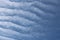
15	22
25	20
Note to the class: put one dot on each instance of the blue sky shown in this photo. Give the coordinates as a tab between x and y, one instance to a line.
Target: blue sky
29	20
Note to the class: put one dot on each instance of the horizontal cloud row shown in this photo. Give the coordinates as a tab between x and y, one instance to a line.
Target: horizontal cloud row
5	38
17	23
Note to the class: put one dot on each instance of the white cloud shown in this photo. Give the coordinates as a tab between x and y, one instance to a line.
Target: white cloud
10	25
17	20
12	34
5	38
14	20
7	3
12	12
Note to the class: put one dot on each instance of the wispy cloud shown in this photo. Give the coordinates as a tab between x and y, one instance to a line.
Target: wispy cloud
12	34
12	26
9	4
5	38
17	20
13	12
20	20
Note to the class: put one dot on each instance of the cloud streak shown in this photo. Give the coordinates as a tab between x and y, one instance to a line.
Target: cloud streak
5	38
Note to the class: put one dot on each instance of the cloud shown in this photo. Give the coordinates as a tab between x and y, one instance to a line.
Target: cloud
20	20
24	14
5	38
17	20
9	4
12	34
12	26
23	0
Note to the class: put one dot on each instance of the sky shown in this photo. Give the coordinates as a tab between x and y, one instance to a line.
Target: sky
29	20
